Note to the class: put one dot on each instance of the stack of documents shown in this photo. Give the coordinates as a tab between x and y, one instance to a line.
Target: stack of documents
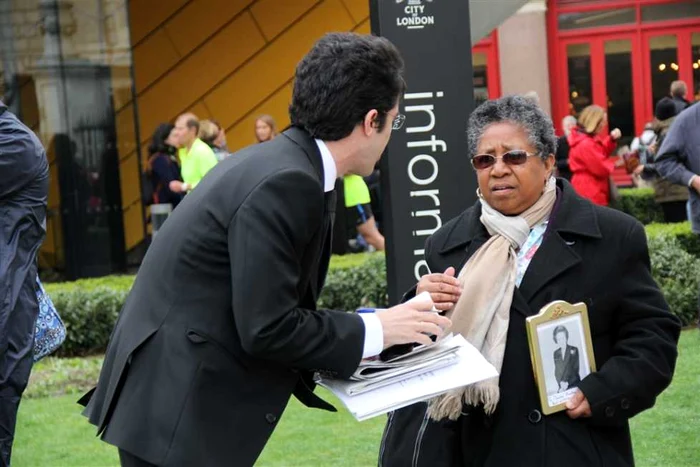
379	387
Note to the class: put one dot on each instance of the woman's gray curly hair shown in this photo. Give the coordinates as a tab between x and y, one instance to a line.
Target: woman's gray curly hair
519	111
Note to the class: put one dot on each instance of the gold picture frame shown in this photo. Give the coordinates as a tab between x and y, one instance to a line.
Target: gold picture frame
561	351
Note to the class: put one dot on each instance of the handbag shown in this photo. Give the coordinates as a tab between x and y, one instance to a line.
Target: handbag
49	332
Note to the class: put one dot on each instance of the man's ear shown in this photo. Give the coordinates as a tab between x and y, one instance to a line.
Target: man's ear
371	122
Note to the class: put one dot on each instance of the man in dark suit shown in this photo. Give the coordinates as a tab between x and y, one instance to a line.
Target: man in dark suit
566	360
24	189
221	326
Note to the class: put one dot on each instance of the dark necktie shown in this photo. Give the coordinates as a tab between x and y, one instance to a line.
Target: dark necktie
330	199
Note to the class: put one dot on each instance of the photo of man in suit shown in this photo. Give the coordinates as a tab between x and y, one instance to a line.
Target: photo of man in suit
221	326
566	360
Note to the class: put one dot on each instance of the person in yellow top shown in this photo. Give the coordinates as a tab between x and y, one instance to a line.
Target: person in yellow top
357	201
196	157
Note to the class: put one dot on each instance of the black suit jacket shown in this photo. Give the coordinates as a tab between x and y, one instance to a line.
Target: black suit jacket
589	254
566	367
220	327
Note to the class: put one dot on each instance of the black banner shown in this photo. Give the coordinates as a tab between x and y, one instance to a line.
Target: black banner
426	175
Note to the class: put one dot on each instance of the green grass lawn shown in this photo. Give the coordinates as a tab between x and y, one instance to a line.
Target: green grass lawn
51	431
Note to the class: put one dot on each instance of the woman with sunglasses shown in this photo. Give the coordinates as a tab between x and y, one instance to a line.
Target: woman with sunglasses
531	239
589	155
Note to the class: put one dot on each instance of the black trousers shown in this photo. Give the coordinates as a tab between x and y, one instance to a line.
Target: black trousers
129	460
674	211
16	361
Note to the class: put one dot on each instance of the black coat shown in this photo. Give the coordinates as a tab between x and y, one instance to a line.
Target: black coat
24	188
590	254
220	327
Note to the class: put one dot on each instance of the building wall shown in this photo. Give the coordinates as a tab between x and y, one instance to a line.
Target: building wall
230	60
523	53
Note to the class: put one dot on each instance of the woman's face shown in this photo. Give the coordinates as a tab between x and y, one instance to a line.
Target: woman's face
263	131
511	189
172	138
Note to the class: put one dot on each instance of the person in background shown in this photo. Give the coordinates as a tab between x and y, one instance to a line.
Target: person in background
196	157
265	128
24	190
162	166
679	92
678	161
220	141
671	197
358	204
642	145
210	133
562	154
589	155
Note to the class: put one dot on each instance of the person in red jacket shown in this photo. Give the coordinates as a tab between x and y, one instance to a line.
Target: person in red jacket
589	155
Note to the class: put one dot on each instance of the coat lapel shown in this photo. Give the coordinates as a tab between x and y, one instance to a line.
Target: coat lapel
573	218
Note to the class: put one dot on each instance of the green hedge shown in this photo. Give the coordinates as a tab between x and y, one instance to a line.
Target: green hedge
90	307
681	231
640	203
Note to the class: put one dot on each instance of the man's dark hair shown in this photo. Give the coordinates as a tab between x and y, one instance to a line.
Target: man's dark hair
344	76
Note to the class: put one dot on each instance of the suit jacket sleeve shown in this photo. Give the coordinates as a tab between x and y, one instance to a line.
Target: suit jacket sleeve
671	161
645	349
267	238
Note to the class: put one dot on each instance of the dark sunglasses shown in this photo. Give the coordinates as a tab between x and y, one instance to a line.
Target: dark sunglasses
514	157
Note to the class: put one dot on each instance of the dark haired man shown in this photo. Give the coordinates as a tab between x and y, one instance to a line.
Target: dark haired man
221	326
24	189
196	157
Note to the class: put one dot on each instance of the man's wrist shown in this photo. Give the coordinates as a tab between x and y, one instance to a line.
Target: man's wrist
692	179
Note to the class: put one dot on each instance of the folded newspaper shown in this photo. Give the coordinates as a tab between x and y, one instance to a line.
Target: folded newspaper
378	387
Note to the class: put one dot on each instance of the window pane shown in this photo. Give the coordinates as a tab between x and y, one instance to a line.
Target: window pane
618	77
579	63
66	72
666	11
481	91
696	64
664	65
594	19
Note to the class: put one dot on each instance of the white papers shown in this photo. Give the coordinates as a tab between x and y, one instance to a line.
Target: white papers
466	367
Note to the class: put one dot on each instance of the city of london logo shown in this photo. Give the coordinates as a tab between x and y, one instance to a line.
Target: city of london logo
415	14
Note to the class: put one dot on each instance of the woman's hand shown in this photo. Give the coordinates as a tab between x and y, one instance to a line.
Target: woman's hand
444	288
638	170
578	406
616	134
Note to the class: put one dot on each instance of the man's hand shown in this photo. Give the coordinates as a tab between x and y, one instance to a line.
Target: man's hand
411	322
444	288
696	183
578	406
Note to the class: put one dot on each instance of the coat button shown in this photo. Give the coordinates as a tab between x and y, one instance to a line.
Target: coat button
625	404
271	418
609	411
534	417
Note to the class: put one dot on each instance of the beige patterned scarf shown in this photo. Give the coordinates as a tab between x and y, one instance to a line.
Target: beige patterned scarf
482	312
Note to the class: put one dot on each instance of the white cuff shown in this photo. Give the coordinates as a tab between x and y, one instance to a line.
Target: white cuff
374	335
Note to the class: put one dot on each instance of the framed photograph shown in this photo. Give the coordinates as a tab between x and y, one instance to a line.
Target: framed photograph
561	351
